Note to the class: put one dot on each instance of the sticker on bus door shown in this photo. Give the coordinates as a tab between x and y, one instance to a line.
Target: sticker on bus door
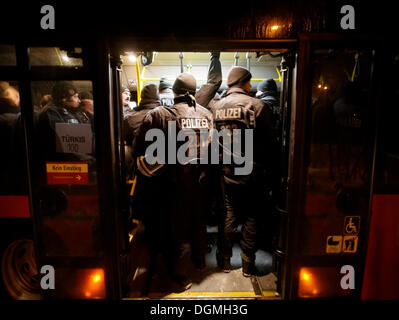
67	172
334	244
73	137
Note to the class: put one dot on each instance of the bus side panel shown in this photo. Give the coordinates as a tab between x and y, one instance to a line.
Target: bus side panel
14	207
381	275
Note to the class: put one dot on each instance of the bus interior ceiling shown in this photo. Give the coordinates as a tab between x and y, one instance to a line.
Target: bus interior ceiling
262	65
147	276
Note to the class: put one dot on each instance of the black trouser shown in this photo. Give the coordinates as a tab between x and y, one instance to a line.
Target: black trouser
151	204
188	223
242	203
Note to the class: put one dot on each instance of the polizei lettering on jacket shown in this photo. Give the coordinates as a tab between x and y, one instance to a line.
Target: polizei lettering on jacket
228	113
194	123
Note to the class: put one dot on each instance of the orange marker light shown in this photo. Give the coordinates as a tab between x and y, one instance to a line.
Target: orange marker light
93	283
308	286
305	276
96	278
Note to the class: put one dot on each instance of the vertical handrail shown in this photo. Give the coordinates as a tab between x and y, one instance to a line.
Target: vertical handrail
58	56
279	75
138	80
181	56
248	56
236	57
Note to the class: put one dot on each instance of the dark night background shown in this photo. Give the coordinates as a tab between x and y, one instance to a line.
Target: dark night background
190	18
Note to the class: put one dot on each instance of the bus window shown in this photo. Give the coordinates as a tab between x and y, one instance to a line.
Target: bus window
12	163
55	56
339	157
15	228
168	65
66	167
7	55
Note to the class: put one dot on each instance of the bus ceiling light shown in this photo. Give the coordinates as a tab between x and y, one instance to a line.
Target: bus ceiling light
132	57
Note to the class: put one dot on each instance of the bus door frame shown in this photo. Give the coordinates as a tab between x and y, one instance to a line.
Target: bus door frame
288	76
297	167
95	69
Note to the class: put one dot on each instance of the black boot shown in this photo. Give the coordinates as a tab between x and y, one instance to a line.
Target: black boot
182	282
248	266
199	263
224	263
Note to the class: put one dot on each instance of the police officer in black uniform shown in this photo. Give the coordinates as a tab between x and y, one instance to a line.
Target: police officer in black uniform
145	188
243	194
207	94
182	195
133	120
267	92
166	96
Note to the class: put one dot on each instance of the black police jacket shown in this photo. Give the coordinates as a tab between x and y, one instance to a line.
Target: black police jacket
185	114
167	98
237	109
134	119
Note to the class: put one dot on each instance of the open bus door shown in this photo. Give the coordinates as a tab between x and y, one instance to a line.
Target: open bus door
270	60
330	168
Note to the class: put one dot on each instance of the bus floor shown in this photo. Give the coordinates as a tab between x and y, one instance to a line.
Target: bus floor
209	283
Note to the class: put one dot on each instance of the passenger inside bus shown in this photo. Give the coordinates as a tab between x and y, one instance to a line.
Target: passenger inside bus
65	108
9	114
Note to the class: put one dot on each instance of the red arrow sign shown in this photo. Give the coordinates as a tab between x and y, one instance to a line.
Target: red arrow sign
67	173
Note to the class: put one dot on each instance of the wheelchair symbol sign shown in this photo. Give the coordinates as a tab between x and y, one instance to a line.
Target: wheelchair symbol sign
352	225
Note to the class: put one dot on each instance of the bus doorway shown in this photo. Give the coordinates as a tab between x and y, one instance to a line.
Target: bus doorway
146	273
